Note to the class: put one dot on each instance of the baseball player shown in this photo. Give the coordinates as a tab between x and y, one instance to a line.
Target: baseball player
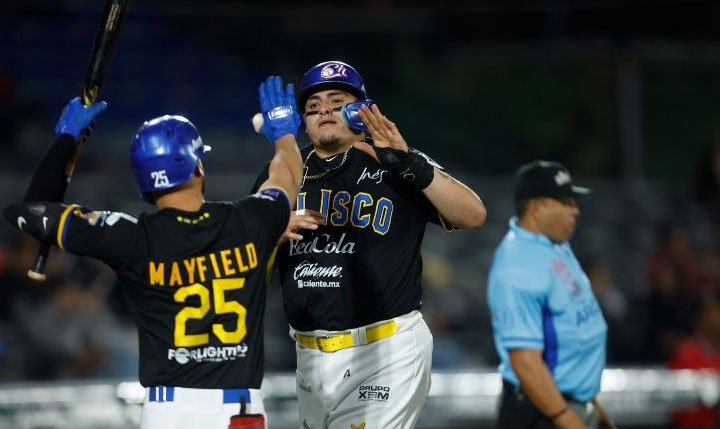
193	272
351	268
548	327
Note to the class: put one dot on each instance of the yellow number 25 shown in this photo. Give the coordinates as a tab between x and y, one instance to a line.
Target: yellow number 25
221	306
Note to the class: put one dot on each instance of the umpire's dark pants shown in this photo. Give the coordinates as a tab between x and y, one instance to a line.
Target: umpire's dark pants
516	411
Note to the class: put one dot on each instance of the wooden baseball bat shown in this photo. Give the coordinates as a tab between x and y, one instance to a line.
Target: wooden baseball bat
102	51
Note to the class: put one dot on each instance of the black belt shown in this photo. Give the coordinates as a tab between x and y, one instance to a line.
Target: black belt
568	397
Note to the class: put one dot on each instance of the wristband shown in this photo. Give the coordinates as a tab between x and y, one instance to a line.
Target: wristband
558	414
409	166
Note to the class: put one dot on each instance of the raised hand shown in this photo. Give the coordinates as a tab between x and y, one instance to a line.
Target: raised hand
279	109
384	132
77	119
391	150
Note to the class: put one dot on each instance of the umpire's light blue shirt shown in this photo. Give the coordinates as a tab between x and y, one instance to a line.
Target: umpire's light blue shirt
541	299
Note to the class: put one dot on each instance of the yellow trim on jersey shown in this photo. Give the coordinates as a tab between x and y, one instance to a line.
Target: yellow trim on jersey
62	224
194	221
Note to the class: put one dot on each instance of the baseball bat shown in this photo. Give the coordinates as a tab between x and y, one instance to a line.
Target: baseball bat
102	51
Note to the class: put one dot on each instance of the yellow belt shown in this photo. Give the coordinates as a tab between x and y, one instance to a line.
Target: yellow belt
343	340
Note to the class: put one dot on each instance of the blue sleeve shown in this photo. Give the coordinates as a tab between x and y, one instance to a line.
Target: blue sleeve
517	295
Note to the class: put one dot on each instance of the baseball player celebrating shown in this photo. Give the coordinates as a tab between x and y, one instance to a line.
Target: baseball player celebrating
193	272
351	267
548	327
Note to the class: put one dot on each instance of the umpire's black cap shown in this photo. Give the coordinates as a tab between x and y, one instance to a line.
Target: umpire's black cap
545	179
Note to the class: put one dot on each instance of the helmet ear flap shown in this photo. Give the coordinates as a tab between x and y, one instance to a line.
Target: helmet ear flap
351	116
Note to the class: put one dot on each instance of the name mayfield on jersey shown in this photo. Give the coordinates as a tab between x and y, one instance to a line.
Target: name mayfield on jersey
194	283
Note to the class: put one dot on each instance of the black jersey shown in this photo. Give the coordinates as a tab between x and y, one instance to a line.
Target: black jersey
364	265
194	282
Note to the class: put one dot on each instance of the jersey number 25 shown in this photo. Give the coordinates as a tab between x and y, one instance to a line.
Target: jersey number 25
220	305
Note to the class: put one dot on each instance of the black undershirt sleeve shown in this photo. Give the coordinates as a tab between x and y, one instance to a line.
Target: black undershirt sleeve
49	182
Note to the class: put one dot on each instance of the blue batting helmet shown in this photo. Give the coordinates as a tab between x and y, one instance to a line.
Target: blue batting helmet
164	153
329	75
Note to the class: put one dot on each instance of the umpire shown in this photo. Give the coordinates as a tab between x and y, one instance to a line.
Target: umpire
547	325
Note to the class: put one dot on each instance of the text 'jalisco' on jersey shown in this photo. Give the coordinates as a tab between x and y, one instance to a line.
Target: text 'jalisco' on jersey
364	264
194	282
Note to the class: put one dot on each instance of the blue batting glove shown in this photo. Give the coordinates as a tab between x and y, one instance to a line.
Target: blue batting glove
279	109
76	118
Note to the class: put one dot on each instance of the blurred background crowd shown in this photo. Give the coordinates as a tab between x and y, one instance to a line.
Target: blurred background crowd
625	93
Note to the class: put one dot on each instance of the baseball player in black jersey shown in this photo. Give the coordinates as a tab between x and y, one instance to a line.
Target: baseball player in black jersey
351	268
193	272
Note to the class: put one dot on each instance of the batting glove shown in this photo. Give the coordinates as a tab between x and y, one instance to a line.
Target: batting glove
76	119
279	109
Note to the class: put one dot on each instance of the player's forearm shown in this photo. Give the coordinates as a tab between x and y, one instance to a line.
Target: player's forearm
457	204
286	167
286	149
539	386
48	181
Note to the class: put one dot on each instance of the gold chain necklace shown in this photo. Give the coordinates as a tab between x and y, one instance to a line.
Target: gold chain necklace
319	175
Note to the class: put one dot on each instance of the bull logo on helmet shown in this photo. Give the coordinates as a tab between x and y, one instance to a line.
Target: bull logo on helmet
333	70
